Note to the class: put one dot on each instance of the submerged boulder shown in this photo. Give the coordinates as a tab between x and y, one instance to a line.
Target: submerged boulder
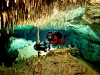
20	48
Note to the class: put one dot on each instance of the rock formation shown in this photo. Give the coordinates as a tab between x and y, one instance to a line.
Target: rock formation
92	16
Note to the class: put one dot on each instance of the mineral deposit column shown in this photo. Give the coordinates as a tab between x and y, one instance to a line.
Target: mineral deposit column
38	35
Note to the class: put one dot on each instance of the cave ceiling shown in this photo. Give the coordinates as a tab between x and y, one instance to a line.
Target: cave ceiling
38	12
24	11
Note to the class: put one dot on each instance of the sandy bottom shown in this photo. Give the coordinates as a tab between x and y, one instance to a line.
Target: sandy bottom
91	69
53	63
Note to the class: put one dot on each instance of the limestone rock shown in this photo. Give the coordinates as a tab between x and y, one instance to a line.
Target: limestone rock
92	13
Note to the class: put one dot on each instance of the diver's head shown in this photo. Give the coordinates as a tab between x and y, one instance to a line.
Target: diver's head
49	36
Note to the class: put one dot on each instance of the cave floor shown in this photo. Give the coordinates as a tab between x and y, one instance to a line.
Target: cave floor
56	62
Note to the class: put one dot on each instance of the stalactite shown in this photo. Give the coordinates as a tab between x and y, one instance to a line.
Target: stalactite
41	2
12	25
50	8
46	8
74	1
38	35
1	24
38	3
34	3
4	14
51	5
59	5
17	17
26	14
4	21
86	3
36	8
71	1
7	29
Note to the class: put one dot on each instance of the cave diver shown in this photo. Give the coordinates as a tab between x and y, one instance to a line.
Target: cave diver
52	38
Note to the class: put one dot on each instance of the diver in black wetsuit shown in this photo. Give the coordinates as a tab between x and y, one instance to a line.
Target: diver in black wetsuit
53	38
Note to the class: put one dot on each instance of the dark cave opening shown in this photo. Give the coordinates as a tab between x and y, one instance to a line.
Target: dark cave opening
4	39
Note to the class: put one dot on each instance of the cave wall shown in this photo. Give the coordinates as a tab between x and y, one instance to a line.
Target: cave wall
92	16
89	50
